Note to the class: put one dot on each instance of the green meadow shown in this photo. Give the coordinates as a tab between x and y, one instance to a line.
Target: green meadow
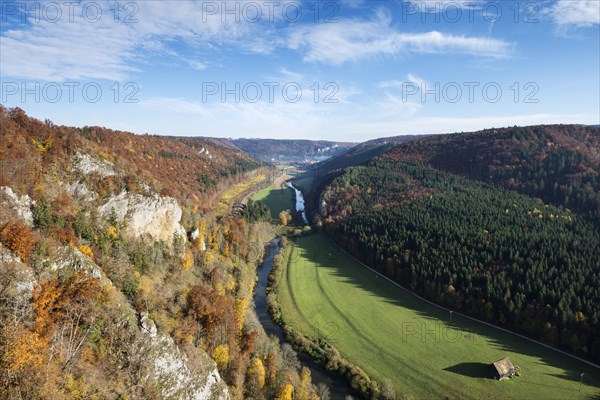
422	349
277	197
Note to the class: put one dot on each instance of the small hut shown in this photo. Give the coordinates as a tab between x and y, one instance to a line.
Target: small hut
504	369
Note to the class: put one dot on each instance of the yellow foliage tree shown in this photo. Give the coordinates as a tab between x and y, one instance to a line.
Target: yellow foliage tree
202	236
86	250
144	287
285	392
305	391
221	356
226	249
256	373
230	284
22	349
187	260
240	308
111	232
283	218
208	258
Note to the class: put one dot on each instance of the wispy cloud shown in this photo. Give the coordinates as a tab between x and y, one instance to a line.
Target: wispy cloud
436	6
197	65
416	80
580	13
410	78
354	40
290	74
76	48
389	115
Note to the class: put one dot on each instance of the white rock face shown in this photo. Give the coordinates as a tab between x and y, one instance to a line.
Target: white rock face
195	234
80	190
71	257
146	216
20	204
23	284
147	325
170	368
88	164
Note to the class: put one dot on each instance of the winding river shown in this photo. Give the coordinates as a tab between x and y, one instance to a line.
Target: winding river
338	386
299	202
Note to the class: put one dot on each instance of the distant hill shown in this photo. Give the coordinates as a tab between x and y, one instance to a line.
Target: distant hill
273	150
362	152
313	181
393	140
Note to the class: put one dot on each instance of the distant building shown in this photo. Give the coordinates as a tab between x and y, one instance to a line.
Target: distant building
504	369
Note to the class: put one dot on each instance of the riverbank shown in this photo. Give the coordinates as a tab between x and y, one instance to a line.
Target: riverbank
338	387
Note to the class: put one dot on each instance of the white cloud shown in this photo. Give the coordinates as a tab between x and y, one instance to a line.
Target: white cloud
295	76
74	48
415	79
353	40
578	13
197	65
350	4
410	78
436	6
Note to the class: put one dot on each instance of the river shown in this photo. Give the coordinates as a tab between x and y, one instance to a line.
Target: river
338	386
299	202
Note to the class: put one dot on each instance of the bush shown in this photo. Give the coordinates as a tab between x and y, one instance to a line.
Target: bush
42	214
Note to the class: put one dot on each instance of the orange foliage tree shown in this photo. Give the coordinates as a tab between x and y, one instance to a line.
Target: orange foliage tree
51	299
19	239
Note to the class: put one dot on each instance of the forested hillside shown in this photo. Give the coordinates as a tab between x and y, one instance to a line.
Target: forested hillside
192	170
508	258
318	175
117	280
557	163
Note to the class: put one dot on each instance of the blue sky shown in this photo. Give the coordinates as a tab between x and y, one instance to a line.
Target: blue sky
342	70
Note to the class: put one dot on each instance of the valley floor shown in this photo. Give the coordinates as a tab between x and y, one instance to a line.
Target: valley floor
424	351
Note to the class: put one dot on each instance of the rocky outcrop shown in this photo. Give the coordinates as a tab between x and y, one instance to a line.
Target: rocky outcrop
21	287
72	258
21	205
195	234
81	191
154	217
87	164
169	368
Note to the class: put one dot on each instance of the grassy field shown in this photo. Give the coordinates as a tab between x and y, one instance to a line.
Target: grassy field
420	348
277	196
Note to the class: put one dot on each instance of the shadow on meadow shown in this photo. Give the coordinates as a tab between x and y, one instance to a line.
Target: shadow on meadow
472	370
322	249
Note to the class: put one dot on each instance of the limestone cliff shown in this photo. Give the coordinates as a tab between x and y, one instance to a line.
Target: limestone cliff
21	205
169	367
153	217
